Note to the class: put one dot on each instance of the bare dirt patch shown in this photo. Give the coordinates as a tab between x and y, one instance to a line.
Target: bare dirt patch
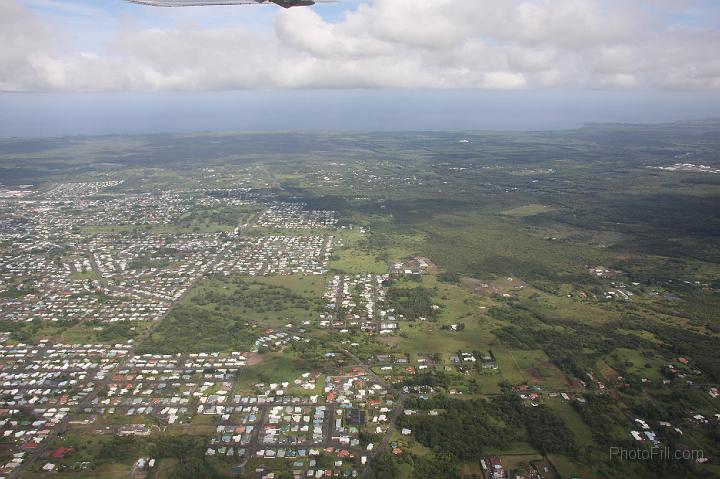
253	359
497	287
431	266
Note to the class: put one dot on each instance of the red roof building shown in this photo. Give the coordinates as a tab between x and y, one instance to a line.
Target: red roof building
62	452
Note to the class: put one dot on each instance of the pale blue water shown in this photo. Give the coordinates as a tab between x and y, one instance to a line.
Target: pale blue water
59	114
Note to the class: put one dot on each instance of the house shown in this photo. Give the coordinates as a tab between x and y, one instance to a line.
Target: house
493	467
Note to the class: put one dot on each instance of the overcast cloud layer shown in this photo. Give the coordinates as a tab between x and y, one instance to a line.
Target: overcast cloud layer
486	44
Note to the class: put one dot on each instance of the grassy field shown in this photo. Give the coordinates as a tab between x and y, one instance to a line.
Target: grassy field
534	367
200	425
94	449
267	301
428	338
77	332
84	275
569	469
527	210
644	364
581	431
352	258
228	313
107	471
273	368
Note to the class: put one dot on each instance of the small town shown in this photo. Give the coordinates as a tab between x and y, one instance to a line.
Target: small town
66	264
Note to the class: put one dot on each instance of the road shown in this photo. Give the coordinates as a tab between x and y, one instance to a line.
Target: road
397	409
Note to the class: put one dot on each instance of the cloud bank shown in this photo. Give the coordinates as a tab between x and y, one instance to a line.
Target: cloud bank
484	44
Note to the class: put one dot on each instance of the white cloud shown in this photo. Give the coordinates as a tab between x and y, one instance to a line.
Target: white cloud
491	44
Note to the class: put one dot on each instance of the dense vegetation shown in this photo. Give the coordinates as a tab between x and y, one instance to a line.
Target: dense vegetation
413	303
547	432
383	467
189	451
253	296
178	333
467	429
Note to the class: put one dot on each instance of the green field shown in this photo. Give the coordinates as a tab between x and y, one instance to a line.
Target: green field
228	313
527	210
354	258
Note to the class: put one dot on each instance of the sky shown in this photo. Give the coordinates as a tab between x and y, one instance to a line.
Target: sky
110	66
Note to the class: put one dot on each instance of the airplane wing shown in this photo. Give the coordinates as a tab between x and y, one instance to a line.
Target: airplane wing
195	3
198	3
